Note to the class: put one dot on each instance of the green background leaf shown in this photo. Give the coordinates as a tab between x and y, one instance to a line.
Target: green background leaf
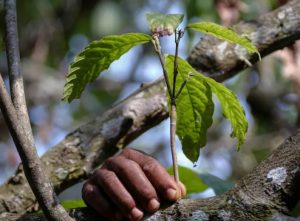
97	57
190	179
70	204
194	108
224	33
163	24
218	185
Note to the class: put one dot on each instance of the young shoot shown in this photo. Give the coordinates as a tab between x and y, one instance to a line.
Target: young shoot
189	93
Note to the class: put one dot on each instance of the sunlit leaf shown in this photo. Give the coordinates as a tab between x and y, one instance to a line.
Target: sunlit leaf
97	57
194	108
232	110
163	24
190	179
224	33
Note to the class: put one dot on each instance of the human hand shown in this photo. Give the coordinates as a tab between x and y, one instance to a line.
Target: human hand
129	184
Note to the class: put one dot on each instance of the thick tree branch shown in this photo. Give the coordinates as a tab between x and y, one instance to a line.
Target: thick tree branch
75	157
269	32
261	195
87	147
16	116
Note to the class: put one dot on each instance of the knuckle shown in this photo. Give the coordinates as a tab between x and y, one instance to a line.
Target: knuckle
98	173
150	166
88	191
108	176
113	162
128	152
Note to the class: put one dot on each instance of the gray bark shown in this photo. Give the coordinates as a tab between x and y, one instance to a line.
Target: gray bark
88	146
269	192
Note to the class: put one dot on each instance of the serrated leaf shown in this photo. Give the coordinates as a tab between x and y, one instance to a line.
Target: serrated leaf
97	57
232	110
190	179
163	24
224	33
194	108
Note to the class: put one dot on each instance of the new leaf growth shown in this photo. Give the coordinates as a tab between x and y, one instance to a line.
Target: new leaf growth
189	92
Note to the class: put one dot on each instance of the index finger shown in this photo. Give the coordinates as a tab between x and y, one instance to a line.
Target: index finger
156	174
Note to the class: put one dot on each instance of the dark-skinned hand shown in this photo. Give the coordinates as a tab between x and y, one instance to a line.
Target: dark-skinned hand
128	185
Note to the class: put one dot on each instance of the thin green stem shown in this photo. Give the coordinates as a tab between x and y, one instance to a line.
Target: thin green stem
178	36
183	85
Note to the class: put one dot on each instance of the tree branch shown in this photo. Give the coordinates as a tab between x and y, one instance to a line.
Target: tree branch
88	146
16	116
261	195
269	32
13	59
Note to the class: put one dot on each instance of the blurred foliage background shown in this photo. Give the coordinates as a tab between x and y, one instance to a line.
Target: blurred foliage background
52	32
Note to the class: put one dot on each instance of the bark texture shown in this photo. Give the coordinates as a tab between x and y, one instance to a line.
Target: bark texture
16	116
269	32
88	146
269	192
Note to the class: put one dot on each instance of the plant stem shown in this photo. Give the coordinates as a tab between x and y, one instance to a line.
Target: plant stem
178	36
16	115
13	60
157	48
173	117
172	114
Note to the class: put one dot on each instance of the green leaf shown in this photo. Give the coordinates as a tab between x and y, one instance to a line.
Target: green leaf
97	57
224	33
232	110
190	179
218	185
70	204
194	108
163	24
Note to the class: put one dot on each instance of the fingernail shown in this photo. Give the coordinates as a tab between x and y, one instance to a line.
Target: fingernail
172	194
136	214
153	205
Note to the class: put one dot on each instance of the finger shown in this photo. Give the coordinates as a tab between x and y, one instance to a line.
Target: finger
94	198
117	193
157	175
181	187
134	179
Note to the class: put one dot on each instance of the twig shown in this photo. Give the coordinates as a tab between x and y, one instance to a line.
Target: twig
183	84
157	48
178	36
15	113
